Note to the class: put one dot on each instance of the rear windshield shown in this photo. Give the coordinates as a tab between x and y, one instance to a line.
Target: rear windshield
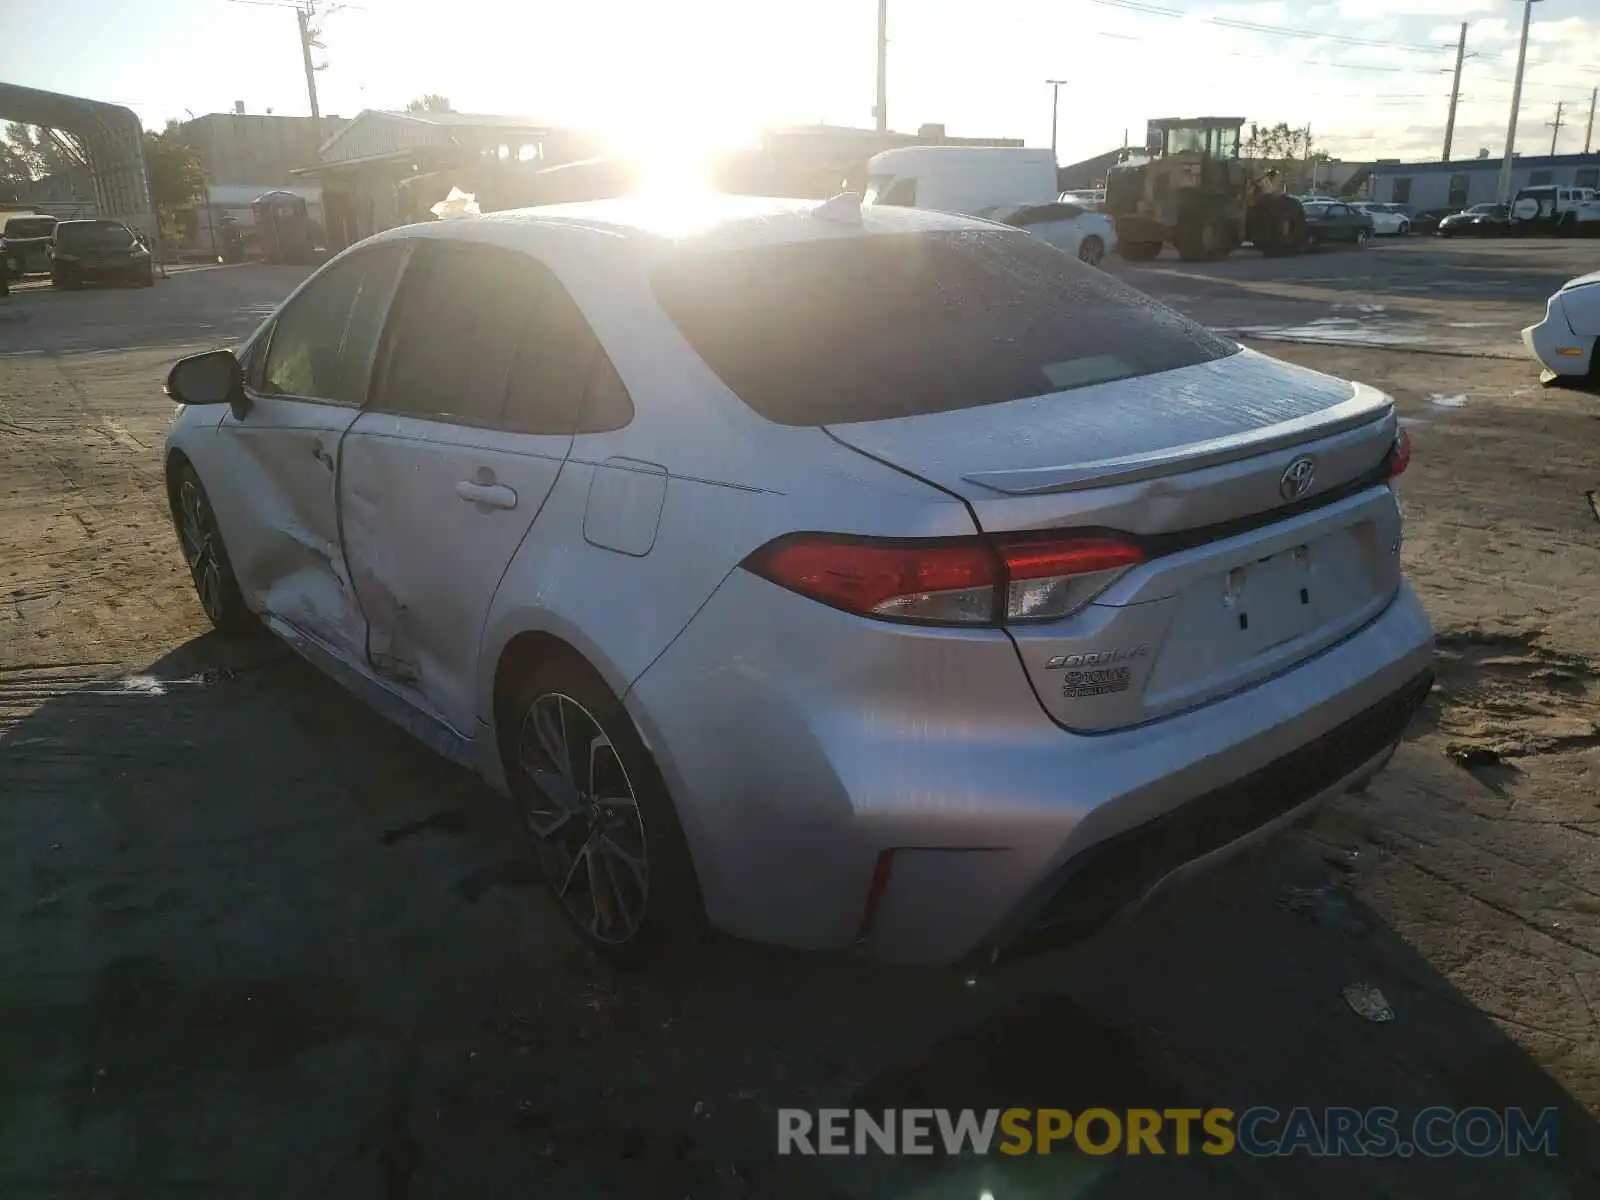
93	233
897	325
29	227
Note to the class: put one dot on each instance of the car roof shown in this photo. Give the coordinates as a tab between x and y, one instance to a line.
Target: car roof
654	226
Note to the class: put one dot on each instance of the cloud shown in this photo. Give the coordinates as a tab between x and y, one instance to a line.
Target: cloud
1373	10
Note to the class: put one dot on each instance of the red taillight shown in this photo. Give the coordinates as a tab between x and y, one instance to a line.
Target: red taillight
1400	456
947	581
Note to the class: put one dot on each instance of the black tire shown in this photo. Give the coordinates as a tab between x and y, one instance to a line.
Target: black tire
1405	228
210	569
1091	250
1279	227
1200	237
600	855
1363	236
1140	251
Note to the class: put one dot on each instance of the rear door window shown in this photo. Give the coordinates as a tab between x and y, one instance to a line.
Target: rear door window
893	325
453	341
490	337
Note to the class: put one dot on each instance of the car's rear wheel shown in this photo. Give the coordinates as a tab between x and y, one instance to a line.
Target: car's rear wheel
1405	228
207	558
1362	237
604	832
1091	250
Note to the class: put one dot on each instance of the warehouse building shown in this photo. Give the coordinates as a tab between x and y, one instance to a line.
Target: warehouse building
1429	185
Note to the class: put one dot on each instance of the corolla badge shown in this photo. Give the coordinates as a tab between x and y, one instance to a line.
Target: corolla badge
1297	477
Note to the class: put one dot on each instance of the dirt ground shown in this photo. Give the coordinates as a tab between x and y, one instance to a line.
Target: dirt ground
255	942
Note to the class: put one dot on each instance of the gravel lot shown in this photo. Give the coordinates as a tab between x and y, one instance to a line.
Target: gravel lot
255	942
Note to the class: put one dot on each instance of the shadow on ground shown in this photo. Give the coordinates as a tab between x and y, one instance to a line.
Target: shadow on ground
260	944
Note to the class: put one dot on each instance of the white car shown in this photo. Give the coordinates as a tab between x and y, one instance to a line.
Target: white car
852	578
1564	342
1087	235
1388	220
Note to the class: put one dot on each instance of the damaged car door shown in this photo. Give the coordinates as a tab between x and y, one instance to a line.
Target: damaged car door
470	420
282	448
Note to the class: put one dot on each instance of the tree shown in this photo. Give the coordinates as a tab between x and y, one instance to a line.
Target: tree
32	151
432	102
177	178
1279	141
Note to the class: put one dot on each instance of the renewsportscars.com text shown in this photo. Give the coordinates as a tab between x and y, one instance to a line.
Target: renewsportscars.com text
1258	1132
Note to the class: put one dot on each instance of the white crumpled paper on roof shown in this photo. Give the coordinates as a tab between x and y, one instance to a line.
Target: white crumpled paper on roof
456	204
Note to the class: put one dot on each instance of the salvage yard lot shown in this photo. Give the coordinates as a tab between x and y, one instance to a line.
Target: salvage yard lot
255	942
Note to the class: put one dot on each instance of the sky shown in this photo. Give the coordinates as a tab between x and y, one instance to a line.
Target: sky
1370	77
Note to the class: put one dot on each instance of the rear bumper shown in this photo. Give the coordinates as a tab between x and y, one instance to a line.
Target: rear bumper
799	750
1555	346
1124	871
102	273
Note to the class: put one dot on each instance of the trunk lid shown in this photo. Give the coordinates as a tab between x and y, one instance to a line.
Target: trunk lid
1251	568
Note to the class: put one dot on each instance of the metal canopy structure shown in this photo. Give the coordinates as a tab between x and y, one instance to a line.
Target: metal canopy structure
112	141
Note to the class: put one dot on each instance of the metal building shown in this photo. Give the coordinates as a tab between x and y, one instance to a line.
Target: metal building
111	141
1429	185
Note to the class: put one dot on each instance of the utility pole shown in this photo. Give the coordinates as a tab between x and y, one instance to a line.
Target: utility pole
308	39
1588	134
881	112
1055	111
1455	94
1555	128
1516	103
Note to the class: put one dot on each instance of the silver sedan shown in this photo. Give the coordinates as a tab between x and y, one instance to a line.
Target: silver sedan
831	577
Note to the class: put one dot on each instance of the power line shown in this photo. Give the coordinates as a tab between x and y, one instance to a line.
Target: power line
1301	32
1156	10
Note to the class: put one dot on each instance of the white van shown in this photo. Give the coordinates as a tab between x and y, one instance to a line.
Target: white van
961	179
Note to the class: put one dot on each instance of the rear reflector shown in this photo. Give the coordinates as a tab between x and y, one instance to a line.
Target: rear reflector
875	891
1400	456
954	581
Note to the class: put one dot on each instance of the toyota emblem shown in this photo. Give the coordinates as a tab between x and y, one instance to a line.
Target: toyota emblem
1297	477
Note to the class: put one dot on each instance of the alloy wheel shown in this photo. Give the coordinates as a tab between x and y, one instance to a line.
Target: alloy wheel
198	529
584	815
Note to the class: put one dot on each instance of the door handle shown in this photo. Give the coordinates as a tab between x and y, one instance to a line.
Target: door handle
490	495
322	455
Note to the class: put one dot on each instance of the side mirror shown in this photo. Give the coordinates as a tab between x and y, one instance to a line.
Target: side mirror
214	377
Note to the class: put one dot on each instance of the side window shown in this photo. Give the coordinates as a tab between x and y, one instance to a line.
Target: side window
251	362
555	360
461	316
1402	190
901	194
322	343
1588	177
607	405
563	381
